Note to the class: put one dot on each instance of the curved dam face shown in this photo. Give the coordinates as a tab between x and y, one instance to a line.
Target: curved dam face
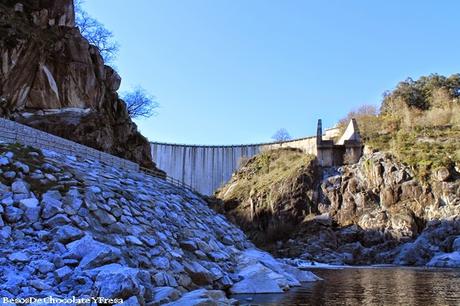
206	168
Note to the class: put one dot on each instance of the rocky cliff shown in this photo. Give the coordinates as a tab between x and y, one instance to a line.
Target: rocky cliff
375	211
51	78
79	228
271	194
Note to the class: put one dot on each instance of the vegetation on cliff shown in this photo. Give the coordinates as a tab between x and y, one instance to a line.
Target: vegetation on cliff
419	122
96	33
271	193
365	213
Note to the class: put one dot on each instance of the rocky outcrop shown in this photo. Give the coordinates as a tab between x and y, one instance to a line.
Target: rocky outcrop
52	79
70	227
378	205
375	211
271	194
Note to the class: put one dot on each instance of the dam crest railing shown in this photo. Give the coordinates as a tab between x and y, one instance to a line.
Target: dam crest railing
232	146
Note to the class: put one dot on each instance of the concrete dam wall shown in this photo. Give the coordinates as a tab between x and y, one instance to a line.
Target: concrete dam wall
206	168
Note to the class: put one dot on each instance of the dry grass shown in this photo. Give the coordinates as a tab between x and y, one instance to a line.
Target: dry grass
424	139
269	196
259	174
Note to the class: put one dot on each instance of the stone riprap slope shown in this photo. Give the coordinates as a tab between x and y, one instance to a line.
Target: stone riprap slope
79	228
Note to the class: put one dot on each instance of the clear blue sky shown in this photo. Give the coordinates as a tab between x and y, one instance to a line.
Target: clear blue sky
235	71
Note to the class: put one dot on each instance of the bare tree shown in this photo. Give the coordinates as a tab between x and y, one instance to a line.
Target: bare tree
139	103
363	111
367	117
281	135
77	4
96	33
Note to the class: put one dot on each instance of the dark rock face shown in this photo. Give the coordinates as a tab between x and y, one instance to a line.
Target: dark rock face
372	212
381	213
270	210
52	79
377	194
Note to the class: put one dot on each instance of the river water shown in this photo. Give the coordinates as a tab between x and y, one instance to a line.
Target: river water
370	286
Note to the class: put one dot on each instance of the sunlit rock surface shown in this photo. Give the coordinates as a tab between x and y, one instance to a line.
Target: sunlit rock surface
52	79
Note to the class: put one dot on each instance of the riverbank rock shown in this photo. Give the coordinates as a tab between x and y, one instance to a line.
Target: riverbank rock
204	297
445	260
261	273
372	212
397	219
52	79
96	230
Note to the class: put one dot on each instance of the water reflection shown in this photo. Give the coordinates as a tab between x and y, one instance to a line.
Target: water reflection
371	286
